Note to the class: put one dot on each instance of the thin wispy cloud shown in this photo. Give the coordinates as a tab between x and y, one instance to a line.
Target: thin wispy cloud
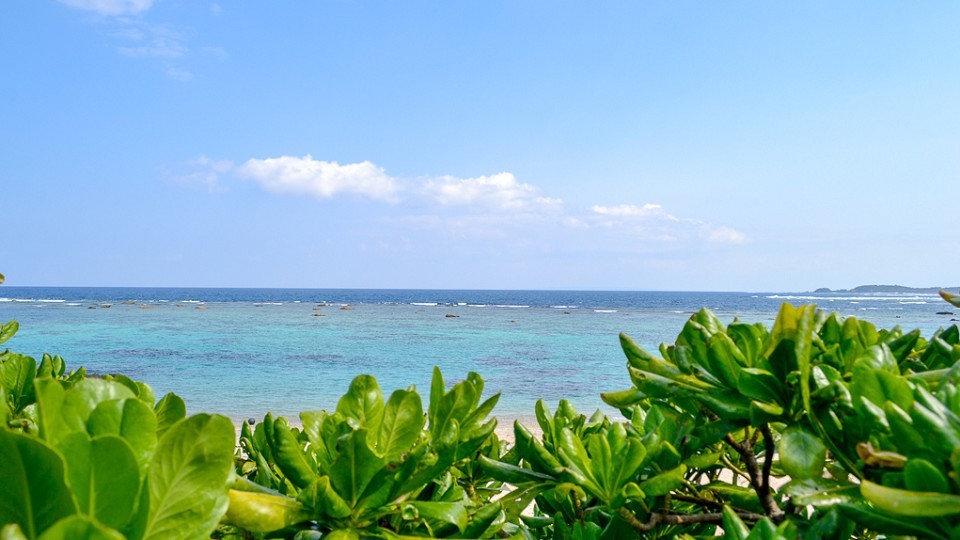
653	223
138	35
633	211
204	173
110	7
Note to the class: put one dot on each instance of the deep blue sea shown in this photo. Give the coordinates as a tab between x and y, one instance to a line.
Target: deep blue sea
243	352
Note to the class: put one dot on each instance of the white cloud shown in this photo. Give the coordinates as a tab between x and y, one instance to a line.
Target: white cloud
324	179
111	7
179	74
498	191
725	235
207	174
217	52
633	211
652	222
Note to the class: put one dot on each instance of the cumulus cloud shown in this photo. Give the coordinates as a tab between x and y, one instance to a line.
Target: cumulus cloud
498	192
496	205
323	179
111	7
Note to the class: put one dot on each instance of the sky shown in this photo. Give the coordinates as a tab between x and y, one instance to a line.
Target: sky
624	145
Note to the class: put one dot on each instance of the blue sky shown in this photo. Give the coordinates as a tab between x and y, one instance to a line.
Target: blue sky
766	146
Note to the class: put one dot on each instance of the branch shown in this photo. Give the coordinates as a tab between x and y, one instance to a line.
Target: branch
767	457
679	519
699	501
759	480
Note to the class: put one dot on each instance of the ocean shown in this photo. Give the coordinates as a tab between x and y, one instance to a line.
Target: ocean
244	352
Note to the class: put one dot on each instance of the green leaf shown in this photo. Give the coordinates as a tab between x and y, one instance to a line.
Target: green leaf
169	410
952	298
821	492
761	385
886	522
132	420
355	467
289	455
263	512
512	474
17	373
8	330
664	482
103	475
802	454
402	423
79	527
50	396
321	497
35	494
363	402
187	478
446	512
921	475
879	385
733	526
84	397
904	502
725	359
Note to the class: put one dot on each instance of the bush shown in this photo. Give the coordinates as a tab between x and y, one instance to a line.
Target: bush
819	427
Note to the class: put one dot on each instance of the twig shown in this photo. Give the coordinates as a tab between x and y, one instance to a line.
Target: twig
758	480
767	457
706	503
679	519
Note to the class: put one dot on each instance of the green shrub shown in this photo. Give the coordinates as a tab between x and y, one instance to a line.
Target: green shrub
818	427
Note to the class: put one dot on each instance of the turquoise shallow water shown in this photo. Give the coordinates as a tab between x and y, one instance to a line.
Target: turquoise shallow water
249	351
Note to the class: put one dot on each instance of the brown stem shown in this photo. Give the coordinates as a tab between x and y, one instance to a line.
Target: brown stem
768	456
699	501
759	480
679	519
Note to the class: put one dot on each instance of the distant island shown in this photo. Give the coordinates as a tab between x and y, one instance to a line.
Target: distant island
887	289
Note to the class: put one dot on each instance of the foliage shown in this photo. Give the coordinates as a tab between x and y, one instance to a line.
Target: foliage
375	468
817	427
99	458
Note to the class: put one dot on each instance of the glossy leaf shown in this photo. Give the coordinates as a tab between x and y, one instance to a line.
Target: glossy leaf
355	467
262	512
921	475
84	397
363	402
7	330
34	491
102	473
910	503
169	410
289	454
17	373
187	479
80	528
402	423
322	498
802	454
446	512
130	419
